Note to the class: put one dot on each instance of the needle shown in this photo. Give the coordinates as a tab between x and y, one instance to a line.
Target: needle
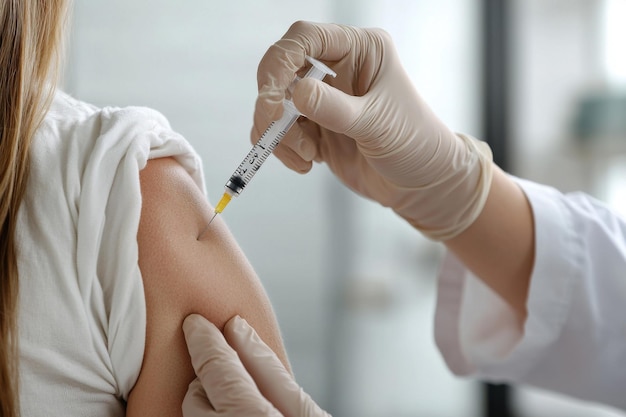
207	226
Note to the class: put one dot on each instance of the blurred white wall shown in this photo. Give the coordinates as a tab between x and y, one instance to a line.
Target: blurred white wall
614	33
562	51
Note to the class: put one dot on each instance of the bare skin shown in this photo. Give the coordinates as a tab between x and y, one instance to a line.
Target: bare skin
183	275
499	247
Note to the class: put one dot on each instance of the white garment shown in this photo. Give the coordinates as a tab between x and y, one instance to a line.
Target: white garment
574	339
82	313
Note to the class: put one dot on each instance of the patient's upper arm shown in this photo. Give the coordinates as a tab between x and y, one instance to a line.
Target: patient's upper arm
183	275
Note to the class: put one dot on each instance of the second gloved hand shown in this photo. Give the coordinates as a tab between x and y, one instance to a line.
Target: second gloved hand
242	379
372	128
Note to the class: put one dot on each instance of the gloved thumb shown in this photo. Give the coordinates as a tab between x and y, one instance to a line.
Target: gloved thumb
271	377
224	381
326	105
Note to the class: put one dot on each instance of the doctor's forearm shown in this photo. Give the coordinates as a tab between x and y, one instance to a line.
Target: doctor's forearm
499	246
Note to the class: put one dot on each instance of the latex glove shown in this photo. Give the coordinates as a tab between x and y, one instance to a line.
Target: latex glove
245	378
372	128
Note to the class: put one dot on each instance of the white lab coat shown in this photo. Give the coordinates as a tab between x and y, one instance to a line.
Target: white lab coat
574	339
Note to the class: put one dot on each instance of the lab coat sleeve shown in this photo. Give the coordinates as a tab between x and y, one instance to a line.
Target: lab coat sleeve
574	338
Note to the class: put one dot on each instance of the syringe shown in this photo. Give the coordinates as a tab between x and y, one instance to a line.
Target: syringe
266	144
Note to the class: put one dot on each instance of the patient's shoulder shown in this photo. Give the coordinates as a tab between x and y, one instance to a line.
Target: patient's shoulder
183	275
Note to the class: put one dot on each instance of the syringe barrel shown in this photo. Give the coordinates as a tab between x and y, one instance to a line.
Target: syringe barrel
272	135
262	149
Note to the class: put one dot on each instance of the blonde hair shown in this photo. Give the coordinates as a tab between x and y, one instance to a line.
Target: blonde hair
31	34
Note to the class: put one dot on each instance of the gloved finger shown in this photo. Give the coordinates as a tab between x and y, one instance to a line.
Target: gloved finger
275	382
311	132
227	384
268	107
196	403
301	143
292	160
292	136
276	70
290	151
262	119
327	106
326	42
295	138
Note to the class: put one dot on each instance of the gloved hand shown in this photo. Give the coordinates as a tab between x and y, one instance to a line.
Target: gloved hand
255	383
372	128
